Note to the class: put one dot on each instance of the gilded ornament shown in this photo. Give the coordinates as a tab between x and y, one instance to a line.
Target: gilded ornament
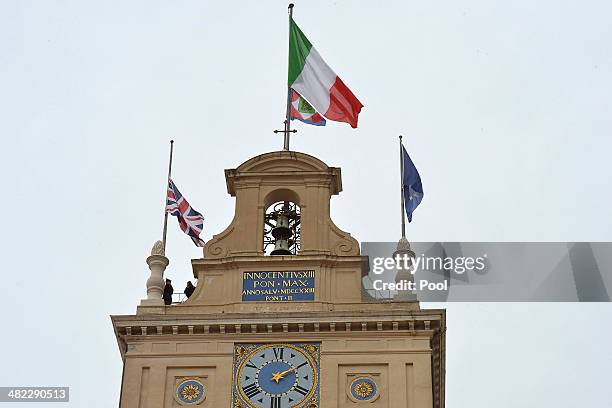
190	392
363	389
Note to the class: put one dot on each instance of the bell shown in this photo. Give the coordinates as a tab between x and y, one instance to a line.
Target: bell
281	247
282	230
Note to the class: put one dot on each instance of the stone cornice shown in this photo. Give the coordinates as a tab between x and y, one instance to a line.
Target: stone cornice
388	313
292	261
425	324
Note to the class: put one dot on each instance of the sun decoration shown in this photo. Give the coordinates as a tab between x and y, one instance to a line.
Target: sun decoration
363	389
190	391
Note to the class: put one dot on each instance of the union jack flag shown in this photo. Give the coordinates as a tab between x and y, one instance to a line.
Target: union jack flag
190	221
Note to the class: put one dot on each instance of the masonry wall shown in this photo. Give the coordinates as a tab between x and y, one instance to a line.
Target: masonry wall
400	364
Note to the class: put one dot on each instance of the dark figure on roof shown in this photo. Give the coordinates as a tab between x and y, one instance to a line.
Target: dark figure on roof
189	289
168	291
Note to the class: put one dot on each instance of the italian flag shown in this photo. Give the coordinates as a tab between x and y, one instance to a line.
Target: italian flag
317	83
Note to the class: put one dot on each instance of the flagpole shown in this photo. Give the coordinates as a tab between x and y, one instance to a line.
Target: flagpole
402	187
288	114
166	197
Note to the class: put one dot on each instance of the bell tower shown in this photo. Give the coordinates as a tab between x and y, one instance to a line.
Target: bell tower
279	317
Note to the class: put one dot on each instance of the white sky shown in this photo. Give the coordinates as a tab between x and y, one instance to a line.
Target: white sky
506	111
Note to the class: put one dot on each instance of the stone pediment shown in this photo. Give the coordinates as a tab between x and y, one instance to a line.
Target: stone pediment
282	176
276	160
284	164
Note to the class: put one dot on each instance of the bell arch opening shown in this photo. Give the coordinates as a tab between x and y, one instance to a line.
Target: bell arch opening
282	229
281	194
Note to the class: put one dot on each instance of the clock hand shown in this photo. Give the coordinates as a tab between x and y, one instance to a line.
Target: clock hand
287	371
279	375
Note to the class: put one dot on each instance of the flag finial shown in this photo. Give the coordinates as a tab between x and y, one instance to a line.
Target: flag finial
402	187
287	130
165	230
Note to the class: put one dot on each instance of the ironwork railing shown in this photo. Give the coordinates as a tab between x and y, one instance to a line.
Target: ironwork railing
178	298
384	295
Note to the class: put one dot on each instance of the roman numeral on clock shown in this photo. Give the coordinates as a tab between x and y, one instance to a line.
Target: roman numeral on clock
278	352
251	390
275	402
301	390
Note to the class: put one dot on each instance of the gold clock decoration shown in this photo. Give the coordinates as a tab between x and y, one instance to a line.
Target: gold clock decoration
190	391
363	389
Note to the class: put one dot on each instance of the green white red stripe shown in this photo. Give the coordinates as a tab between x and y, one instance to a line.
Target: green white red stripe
317	83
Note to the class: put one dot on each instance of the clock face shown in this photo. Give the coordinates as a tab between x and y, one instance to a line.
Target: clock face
277	375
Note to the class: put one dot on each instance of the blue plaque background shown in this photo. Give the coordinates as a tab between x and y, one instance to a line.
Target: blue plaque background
278	286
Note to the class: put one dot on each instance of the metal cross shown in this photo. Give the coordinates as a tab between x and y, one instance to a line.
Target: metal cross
286	133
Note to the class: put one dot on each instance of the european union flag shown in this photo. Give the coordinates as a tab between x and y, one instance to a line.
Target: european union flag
413	189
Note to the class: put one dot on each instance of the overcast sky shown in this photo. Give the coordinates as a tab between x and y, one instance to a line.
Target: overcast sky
505	108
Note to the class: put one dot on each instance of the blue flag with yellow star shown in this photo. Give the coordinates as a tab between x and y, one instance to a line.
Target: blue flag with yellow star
413	189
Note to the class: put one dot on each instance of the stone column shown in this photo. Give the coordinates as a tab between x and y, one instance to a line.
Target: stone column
403	248
155	284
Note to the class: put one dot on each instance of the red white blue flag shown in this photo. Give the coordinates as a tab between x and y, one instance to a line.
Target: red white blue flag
303	111
190	221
